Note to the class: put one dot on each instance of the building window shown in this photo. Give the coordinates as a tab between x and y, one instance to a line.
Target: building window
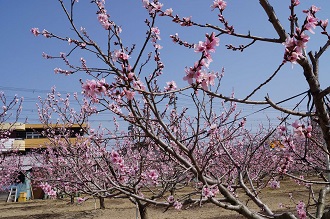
30	135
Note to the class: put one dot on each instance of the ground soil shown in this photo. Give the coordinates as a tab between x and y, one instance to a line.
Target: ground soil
120	208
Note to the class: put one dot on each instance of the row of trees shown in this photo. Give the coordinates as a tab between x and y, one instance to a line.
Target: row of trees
207	149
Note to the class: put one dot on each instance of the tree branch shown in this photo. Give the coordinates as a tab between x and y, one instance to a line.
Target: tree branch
267	81
273	19
291	112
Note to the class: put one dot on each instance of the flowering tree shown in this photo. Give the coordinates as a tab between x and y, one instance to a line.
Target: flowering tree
168	147
9	161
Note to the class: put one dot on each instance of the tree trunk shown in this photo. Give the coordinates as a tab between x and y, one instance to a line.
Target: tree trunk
285	216
326	215
72	199
102	205
311	75
142	210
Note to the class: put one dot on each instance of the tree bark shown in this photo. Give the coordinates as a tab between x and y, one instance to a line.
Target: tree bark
142	210
102	205
285	216
320	107
326	215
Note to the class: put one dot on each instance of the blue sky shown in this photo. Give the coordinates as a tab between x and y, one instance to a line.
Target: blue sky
26	73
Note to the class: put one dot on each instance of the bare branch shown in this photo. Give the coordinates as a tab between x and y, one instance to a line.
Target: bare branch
291	112
267	81
273	19
325	92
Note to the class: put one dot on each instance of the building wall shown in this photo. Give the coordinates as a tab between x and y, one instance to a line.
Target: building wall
28	136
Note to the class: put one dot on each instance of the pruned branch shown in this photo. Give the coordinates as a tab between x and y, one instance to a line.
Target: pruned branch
287	111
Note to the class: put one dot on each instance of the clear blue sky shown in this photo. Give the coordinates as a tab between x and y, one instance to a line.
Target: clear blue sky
26	73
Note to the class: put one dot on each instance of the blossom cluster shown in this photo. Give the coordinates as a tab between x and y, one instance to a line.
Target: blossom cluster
92	88
301	131
285	163
210	192
152	7
196	73
155	35
103	17
301	210
274	184
171	86
48	189
295	45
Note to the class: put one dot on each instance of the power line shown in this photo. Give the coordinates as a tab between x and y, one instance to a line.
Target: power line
31	90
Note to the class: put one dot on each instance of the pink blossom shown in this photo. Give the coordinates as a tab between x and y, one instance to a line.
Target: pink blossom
153	175
207	61
311	23
129	94
46	56
170	199
295	2
35	31
145	3
309	128
157	46
190	75
114	156
80	200
104	21
281	128
168	12
92	88
186	22
207	192
303	39
209	45
119	55
139	85
315	9
200	47
210	78
114	108
324	23
206	79
177	205
293	57
62	71
299	132
170	86
48	189
175	38
46	34
155	31
289	42
301	210
219	4
156	6
274	184
296	124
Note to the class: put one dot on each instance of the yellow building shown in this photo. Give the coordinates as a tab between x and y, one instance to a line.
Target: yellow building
24	137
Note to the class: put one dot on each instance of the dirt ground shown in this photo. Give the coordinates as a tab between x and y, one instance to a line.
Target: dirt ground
61	209
122	209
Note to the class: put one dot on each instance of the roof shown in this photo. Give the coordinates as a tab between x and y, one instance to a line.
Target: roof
22	126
